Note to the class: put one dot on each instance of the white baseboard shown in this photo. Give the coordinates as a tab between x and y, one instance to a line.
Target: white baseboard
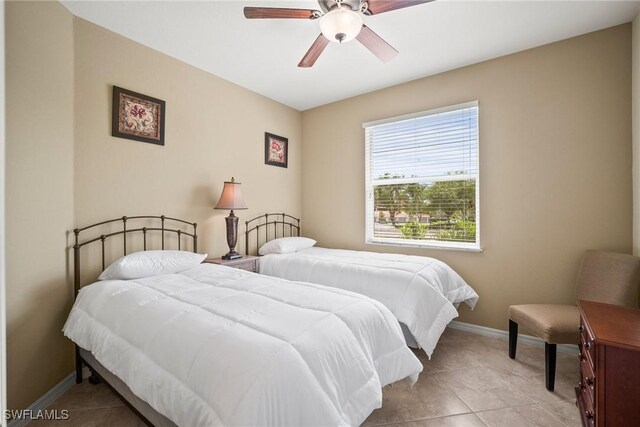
498	333
46	399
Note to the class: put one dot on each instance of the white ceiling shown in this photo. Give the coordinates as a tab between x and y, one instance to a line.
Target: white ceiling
262	55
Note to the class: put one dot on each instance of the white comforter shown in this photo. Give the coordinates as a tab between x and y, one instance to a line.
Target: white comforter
219	346
419	291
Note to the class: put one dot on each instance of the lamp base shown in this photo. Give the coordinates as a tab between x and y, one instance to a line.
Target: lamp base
231	255
232	237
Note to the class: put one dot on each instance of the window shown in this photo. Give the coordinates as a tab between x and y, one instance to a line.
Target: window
422	179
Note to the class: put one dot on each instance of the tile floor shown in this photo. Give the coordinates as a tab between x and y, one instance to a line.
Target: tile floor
469	381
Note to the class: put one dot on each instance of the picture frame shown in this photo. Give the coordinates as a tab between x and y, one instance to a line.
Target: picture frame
276	150
138	117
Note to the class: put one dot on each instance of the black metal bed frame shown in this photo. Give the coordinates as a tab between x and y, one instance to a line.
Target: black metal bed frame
144	230
282	219
163	229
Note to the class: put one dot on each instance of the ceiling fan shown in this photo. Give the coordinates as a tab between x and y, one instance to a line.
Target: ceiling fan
340	22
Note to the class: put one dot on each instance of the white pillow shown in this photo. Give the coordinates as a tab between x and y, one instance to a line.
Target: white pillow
151	263
285	245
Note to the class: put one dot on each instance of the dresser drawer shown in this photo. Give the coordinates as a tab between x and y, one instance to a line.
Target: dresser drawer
587	379
587	343
585	406
250	265
247	262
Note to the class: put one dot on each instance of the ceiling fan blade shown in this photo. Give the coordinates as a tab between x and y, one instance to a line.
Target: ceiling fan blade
377	7
376	44
279	13
314	52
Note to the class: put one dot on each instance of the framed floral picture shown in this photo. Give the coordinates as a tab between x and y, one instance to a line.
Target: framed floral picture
276	150
137	116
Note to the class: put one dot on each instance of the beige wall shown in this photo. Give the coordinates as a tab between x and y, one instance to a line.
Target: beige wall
635	93
214	130
39	195
555	166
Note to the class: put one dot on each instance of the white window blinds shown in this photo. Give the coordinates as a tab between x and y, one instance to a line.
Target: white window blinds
422	179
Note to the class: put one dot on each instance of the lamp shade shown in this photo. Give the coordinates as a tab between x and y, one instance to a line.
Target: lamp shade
231	197
341	25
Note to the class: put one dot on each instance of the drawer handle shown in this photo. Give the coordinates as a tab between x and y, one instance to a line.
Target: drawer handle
580	356
588	345
589	415
581	328
589	381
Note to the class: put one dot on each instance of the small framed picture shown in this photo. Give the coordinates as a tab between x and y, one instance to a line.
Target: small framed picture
137	116
276	150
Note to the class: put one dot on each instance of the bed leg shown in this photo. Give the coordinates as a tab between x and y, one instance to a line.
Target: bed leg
78	366
94	378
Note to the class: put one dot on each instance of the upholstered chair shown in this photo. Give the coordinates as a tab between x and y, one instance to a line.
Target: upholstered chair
603	276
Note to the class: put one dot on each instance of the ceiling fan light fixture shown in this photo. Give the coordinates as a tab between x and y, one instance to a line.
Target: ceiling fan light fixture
341	25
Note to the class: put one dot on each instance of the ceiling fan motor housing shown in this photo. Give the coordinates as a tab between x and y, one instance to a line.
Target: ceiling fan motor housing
328	5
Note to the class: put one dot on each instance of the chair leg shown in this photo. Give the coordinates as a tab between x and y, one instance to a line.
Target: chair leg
513	338
550	365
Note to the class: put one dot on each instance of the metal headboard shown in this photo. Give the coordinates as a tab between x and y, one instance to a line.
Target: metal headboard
279	221
155	227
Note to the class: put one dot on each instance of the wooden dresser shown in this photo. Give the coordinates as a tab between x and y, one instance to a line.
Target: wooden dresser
609	390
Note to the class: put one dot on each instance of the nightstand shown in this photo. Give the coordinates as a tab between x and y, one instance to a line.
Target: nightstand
247	262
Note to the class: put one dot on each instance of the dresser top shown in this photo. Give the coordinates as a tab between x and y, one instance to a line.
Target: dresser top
612	324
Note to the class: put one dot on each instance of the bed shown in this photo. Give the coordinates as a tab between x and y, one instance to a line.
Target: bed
423	293
211	345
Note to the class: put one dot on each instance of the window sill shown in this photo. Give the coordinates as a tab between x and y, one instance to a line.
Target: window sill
427	245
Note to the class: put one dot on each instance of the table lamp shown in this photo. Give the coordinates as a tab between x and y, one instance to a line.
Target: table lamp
231	198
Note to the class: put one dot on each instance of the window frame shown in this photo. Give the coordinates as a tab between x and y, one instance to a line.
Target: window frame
369	187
